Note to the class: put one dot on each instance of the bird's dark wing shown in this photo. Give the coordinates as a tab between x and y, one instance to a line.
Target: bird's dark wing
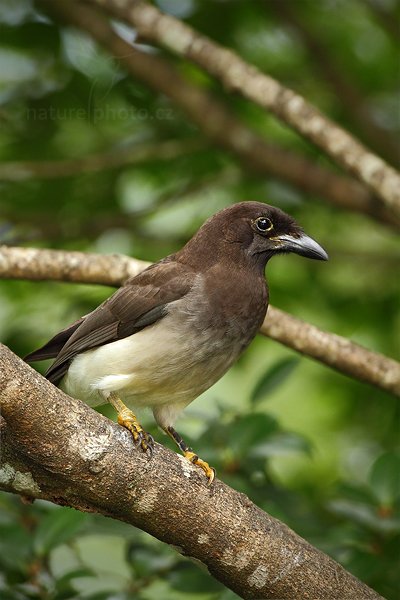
54	346
143	300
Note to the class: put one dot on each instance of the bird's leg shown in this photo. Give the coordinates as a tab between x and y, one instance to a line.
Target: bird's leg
190	455
127	419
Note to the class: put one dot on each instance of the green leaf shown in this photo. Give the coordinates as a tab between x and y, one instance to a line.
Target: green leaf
14	13
185	579
250	430
15	548
384	478
56	528
365	515
281	443
64	585
106	595
272	378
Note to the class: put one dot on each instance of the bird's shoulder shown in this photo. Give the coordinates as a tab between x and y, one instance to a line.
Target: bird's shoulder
148	293
165	280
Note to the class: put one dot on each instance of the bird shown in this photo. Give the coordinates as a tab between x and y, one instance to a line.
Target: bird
170	332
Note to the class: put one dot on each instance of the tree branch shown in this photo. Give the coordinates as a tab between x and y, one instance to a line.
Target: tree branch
57	448
219	124
332	350
38	264
352	99
114	158
388	19
239	76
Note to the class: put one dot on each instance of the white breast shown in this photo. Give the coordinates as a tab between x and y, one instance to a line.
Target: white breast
168	363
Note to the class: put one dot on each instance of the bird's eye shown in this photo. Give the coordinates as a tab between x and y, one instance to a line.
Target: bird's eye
263	224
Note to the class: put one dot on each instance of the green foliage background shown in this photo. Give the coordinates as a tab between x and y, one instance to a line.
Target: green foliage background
308	445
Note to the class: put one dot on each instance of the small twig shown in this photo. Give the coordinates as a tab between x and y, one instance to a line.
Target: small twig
115	158
333	350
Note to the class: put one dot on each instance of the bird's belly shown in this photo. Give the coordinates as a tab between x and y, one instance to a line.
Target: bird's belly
166	362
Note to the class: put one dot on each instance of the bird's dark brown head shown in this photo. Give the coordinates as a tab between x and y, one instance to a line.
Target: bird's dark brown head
250	232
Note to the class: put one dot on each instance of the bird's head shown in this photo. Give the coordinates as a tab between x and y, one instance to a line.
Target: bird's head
272	231
252	231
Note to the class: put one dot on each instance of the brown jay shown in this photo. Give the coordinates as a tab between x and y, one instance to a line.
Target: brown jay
172	331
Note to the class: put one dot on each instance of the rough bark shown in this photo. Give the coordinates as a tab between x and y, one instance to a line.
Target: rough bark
222	126
332	350
58	449
240	77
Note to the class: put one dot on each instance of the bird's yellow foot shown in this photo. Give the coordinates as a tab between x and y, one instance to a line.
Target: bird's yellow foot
127	419
193	458
190	455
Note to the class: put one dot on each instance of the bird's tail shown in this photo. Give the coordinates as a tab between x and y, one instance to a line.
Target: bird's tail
52	348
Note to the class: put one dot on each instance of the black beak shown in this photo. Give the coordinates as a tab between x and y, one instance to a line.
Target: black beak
303	245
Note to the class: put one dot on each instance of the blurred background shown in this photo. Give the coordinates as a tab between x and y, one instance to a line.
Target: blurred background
95	160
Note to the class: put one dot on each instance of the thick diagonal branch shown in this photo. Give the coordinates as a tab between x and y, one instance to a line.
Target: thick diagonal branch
219	124
332	350
265	91
352	99
58	449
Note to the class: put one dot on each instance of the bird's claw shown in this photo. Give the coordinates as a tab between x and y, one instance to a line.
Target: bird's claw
145	441
209	471
140	437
